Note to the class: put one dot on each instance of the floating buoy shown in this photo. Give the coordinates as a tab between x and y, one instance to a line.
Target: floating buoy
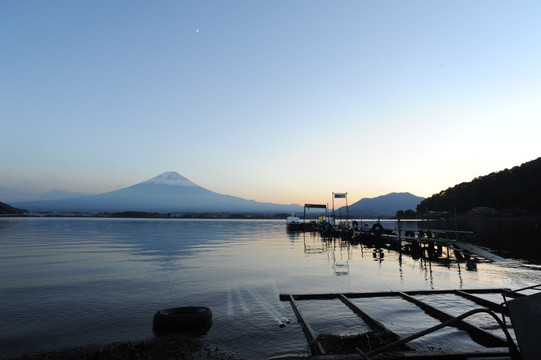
182	319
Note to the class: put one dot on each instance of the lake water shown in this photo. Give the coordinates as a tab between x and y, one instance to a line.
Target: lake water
80	281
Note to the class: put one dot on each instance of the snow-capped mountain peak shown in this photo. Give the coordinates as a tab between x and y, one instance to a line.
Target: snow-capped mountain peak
170	178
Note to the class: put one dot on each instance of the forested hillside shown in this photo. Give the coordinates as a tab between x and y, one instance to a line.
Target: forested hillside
514	191
7	209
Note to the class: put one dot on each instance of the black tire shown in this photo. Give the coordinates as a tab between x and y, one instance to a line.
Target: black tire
182	319
377	229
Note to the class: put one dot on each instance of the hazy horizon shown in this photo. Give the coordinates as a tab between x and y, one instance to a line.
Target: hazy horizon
58	194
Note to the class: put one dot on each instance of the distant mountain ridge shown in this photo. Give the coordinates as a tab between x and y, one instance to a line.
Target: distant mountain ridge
384	205
169	192
56	194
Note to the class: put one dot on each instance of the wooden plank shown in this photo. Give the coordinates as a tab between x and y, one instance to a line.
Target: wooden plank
480	252
481	336
308	331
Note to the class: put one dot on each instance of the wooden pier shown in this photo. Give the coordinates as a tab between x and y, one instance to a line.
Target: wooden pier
417	240
457	244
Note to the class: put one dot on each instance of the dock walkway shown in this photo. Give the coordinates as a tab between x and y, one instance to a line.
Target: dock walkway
476	250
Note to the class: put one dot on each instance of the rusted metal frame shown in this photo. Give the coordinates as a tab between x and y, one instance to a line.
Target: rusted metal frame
479	335
373	323
512	294
516	293
512	349
308	331
483	302
469	291
329	296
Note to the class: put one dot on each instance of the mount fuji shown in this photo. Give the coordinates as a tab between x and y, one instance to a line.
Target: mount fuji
169	192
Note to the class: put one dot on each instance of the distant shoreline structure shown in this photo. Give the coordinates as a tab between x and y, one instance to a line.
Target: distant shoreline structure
146	215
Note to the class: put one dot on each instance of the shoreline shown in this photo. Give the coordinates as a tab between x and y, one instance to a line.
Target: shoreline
168	347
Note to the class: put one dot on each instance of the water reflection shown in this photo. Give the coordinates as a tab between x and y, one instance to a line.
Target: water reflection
378	255
109	277
341	253
511	237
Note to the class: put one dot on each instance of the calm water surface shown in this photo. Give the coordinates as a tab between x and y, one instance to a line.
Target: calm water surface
77	281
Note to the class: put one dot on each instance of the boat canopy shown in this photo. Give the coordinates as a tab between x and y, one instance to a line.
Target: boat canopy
315	206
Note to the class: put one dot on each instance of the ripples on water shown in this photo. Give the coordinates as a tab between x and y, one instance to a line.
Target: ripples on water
68	282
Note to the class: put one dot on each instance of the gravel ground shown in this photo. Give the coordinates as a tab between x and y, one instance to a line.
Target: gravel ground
165	348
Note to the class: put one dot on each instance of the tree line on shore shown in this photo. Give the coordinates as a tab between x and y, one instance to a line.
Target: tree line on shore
6	209
510	192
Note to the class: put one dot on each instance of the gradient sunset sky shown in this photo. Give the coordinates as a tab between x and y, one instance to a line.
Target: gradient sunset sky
277	101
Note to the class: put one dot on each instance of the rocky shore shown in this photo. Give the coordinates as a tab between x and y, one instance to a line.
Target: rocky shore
163	348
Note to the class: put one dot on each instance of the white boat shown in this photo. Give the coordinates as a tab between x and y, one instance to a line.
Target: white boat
293	223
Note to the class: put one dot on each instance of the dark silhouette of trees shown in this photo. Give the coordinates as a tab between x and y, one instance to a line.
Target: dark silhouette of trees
516	191
7	209
408	214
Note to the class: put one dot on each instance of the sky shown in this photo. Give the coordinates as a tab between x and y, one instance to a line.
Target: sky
275	101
